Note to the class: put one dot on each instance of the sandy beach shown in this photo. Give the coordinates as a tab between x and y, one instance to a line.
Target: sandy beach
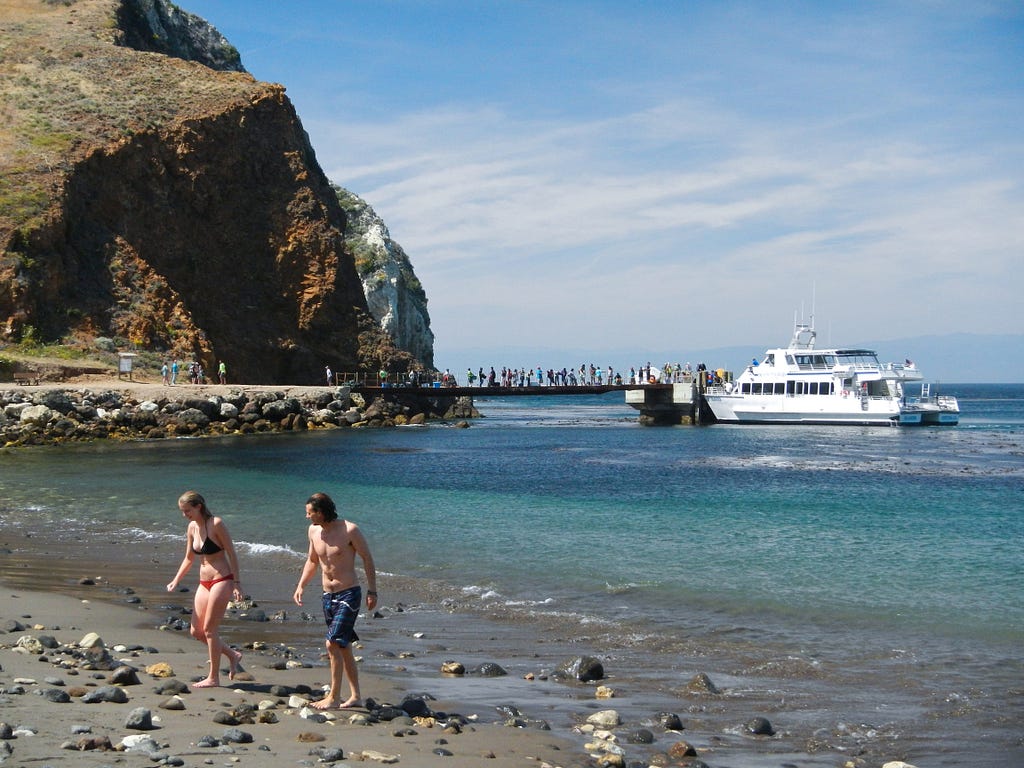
48	679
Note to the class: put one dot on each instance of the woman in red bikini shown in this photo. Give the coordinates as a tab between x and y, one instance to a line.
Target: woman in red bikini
208	537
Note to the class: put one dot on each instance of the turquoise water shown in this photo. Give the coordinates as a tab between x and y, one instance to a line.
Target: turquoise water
853	547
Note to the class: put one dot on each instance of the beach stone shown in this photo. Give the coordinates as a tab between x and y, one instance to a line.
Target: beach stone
388	713
611	760
138	742
670	721
415	706
12	625
124	675
160	669
607	718
107	693
6	731
172	688
759	726
681	749
224	718
380	757
297	702
174	703
308	737
701	683
139	719
329	754
89	743
640	736
49	680
604	692
6	750
91	640
48	641
79	728
236	736
490	669
38	415
266	716
897	764
29	644
209	742
308	713
56	696
453	668
585	669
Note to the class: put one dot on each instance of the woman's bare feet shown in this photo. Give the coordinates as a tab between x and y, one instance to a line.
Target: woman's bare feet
353	701
207	683
329	702
234	663
324	703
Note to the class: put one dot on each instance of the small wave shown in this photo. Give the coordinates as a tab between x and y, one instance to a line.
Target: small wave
259	548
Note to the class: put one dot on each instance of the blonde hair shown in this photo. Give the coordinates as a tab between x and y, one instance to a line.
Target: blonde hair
194	499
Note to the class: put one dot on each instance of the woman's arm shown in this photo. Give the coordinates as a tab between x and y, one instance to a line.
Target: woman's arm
186	562
223	539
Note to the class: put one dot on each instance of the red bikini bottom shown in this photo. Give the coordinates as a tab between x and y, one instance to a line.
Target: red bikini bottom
207	584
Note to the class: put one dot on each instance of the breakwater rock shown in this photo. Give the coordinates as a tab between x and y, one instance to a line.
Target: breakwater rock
54	415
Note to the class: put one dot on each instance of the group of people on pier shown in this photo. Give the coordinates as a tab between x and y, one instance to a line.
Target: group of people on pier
584	376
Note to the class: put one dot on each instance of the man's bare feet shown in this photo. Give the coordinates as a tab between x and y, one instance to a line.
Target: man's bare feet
324	703
353	701
207	683
235	663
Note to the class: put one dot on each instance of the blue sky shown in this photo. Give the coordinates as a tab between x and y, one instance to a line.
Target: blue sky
597	178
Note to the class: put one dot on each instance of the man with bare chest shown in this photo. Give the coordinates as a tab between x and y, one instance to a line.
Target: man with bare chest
333	546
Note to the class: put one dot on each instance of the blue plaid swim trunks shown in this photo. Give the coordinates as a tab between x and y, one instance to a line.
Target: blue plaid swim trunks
340	612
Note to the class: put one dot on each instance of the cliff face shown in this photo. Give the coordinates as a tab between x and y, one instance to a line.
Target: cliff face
166	203
394	295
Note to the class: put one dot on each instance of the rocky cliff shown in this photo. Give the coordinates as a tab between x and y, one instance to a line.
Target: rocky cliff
394	295
152	192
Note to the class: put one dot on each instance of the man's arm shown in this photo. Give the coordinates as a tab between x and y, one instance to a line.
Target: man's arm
308	572
362	549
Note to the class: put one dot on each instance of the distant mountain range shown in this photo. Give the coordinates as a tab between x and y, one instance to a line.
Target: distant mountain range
951	358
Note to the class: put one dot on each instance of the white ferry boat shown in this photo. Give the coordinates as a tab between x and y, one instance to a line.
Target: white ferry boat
799	384
928	409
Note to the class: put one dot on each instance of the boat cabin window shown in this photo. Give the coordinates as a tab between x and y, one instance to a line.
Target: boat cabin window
769	359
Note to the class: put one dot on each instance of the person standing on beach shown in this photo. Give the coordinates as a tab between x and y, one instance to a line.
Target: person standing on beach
333	546
222	372
208	537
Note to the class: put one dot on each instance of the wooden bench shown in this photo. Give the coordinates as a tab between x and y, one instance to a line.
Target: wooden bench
25	379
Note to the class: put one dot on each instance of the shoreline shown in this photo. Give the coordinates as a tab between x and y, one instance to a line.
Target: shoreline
401	653
136	634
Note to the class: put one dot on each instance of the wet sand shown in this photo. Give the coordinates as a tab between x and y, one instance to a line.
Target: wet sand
41	591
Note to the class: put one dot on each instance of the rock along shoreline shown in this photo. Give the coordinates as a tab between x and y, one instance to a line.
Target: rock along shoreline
42	415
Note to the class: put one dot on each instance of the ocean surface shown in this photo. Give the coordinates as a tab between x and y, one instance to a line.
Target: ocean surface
862	587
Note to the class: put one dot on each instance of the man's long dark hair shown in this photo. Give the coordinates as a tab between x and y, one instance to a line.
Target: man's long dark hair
324	504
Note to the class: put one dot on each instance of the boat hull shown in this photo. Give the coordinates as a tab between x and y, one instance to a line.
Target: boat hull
738	409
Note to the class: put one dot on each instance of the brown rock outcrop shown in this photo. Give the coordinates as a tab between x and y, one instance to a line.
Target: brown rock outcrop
174	206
